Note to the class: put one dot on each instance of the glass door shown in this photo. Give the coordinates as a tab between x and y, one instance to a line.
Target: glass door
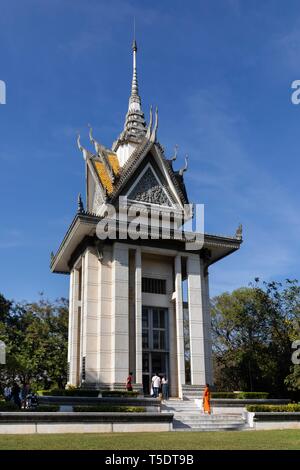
155	342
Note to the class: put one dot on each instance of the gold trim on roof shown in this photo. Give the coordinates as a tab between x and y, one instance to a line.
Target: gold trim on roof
104	177
114	163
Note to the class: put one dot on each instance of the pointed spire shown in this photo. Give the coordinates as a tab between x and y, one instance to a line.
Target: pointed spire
80	208
134	97
135	125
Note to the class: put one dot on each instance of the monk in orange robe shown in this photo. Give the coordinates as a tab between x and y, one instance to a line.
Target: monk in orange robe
206	399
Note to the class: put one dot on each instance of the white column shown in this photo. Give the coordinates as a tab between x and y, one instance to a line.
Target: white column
120	333
207	330
179	325
196	325
90	316
138	316
73	339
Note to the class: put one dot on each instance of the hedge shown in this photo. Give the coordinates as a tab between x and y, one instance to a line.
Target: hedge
8	406
109	409
223	395
68	393
240	395
251	395
289	408
119	393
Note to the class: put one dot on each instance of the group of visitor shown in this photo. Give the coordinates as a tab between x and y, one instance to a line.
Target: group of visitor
22	397
160	387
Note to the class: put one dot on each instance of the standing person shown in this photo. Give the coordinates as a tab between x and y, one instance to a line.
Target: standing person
24	392
129	382
165	388
156	385
7	393
15	394
206	399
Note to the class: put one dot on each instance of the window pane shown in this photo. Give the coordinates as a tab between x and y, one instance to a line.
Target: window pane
155	318
162	319
162	343
155	339
145	320
145	363
145	341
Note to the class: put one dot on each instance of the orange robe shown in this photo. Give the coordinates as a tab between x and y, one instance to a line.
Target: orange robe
206	400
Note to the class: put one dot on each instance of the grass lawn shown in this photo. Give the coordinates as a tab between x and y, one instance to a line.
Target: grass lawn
246	440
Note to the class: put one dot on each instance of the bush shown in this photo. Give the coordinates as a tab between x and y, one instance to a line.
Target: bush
61	392
45	408
252	395
119	393
109	409
223	395
240	395
289	408
8	406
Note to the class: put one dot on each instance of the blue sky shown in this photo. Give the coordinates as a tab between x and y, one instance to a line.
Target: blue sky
220	72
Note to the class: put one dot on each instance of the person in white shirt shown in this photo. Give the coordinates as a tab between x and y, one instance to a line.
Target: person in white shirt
7	393
155	384
165	388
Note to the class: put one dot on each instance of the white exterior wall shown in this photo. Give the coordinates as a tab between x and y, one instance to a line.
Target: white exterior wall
105	317
119	319
199	322
179	324
138	316
90	315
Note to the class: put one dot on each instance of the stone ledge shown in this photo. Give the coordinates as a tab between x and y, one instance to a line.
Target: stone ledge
277	416
249	401
151	404
80	417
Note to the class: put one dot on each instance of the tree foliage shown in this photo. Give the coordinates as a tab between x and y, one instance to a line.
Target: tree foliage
35	335
252	333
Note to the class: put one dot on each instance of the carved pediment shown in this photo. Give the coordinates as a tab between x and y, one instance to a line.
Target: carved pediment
150	190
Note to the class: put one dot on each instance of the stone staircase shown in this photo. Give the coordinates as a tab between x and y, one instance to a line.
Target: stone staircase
188	417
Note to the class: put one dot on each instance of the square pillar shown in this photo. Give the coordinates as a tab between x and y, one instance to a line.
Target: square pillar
90	346
119	317
179	325
198	323
138	317
74	329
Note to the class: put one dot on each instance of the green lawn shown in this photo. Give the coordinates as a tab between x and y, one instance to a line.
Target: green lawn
246	440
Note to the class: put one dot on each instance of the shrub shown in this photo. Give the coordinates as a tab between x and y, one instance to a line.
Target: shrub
8	406
71	392
109	409
252	395
120	393
223	395
289	408
45	408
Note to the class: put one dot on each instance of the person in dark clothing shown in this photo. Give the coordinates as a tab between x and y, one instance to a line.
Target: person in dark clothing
15	394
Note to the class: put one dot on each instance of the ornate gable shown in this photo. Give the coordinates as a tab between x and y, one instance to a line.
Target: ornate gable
150	190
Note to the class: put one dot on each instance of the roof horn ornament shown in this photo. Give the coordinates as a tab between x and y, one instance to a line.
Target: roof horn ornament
149	129
182	170
85	152
175	154
154	131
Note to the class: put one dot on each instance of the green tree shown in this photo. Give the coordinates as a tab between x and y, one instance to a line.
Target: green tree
252	330
36	338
